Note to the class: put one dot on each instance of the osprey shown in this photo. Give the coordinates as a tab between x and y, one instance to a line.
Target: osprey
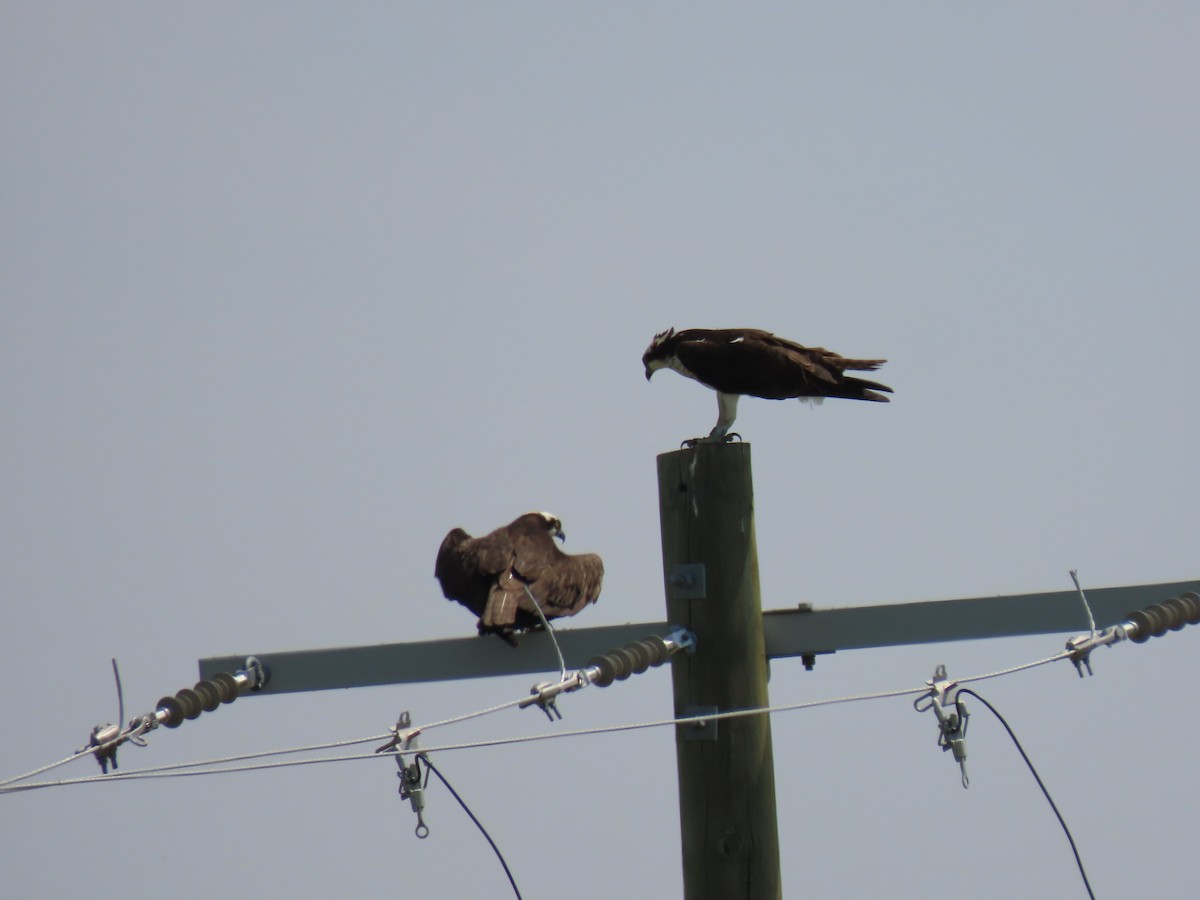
490	575
738	361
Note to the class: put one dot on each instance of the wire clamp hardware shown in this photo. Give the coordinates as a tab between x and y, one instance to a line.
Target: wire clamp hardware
253	674
1080	647
412	786
544	695
952	726
105	740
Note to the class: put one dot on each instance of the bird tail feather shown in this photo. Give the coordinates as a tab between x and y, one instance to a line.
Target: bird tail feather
501	609
860	365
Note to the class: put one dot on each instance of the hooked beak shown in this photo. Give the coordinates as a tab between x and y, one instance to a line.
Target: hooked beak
561	537
649	372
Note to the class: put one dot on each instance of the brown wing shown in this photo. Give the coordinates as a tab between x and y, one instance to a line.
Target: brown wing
563	584
489	575
467	567
567	585
753	361
451	569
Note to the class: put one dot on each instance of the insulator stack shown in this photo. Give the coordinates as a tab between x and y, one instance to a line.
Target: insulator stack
206	696
632	659
1159	618
188	703
210	693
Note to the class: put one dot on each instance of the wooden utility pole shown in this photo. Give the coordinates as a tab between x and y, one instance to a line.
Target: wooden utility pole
726	771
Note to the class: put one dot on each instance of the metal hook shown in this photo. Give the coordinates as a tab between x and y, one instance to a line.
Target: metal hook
412	790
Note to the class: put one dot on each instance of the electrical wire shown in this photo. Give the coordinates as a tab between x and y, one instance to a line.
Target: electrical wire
5	785
537	607
8	785
474	715
62	762
195	768
1065	654
188	769
1087	607
1037	778
500	856
259	755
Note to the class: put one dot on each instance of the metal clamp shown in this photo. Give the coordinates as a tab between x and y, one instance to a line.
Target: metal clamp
1081	646
253	675
545	694
952	726
412	786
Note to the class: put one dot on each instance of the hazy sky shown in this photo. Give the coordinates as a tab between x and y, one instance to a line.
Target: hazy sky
289	290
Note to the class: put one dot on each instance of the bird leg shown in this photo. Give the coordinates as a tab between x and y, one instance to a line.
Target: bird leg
726	413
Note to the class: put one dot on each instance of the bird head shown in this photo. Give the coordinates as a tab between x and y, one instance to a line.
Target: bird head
553	525
656	354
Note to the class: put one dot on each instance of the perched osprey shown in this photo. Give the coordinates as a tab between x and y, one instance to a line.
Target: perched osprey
737	361
488	575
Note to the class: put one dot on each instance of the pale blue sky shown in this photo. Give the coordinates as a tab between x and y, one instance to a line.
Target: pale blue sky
289	290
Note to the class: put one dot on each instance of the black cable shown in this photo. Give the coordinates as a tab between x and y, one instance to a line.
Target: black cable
1037	778
478	824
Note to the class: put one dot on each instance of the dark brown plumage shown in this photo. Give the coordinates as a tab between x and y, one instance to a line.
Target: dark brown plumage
738	361
488	575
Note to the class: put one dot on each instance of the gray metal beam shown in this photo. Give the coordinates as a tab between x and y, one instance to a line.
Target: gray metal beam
790	632
441	660
796	632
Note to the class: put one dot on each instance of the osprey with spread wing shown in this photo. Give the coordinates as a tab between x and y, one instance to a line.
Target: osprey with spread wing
498	576
738	361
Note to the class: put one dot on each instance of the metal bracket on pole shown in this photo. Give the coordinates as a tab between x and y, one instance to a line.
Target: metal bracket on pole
687	582
700	729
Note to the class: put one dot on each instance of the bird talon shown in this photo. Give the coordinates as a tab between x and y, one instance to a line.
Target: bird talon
692	443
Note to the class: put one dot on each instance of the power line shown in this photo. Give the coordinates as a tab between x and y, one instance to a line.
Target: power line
454	720
1037	778
8	785
1065	654
181	769
500	856
194	768
198	768
54	765
206	767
